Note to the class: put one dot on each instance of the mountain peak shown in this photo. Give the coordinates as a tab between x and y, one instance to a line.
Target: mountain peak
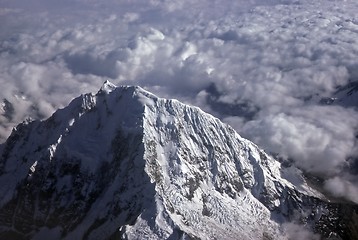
124	163
136	92
107	87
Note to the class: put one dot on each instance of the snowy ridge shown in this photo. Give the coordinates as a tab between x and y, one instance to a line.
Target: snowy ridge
124	163
209	173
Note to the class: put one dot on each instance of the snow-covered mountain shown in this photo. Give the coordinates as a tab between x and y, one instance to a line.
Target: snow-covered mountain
125	164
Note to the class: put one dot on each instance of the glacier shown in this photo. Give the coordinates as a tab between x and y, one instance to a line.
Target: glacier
123	163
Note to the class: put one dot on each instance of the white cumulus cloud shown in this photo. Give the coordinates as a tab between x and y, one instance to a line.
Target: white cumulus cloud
272	69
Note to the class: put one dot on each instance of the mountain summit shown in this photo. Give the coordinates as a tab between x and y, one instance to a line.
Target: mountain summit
125	164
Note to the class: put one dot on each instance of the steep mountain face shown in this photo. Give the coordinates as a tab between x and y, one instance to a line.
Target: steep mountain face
125	164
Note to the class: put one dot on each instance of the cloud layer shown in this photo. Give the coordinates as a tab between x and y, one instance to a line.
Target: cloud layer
272	69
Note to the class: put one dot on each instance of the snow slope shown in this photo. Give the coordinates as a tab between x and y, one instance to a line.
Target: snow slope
123	163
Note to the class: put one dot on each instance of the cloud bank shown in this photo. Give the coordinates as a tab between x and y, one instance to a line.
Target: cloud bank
283	73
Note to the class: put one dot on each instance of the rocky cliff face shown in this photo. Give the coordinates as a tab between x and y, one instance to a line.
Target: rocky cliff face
124	163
